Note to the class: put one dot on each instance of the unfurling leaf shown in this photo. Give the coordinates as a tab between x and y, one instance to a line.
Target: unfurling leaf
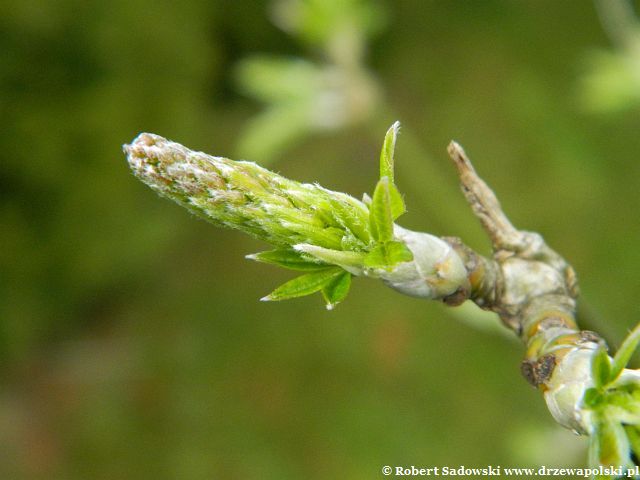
337	290
625	352
381	217
388	148
332	257
353	215
592	398
397	202
610	445
305	284
388	254
601	367
633	434
286	258
397	252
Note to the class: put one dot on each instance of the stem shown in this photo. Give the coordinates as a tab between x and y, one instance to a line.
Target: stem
534	291
333	236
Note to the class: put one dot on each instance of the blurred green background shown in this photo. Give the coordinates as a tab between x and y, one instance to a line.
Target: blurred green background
132	342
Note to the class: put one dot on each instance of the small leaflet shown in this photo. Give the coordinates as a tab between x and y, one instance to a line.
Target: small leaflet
337	290
304	284
286	258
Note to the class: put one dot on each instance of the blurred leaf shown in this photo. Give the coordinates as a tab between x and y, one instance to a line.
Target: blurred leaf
593	397
288	86
278	79
612	81
633	434
623	407
271	132
317	21
625	352
600	367
612	445
594	446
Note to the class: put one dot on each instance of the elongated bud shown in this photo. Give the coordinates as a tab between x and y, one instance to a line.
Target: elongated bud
247	197
329	235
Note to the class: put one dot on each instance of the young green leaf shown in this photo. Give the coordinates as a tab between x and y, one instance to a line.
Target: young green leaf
337	290
613	445
354	216
330	256
397	252
623	407
633	434
625	352
329	237
397	202
380	216
377	257
286	258
593	397
304	284
600	367
388	148
387	170
387	255
594	444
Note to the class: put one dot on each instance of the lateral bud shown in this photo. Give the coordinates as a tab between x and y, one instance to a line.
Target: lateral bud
435	272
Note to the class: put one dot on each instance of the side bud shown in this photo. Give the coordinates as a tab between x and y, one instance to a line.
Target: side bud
435	272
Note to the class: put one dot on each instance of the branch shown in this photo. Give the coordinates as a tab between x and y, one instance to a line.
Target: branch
331	237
